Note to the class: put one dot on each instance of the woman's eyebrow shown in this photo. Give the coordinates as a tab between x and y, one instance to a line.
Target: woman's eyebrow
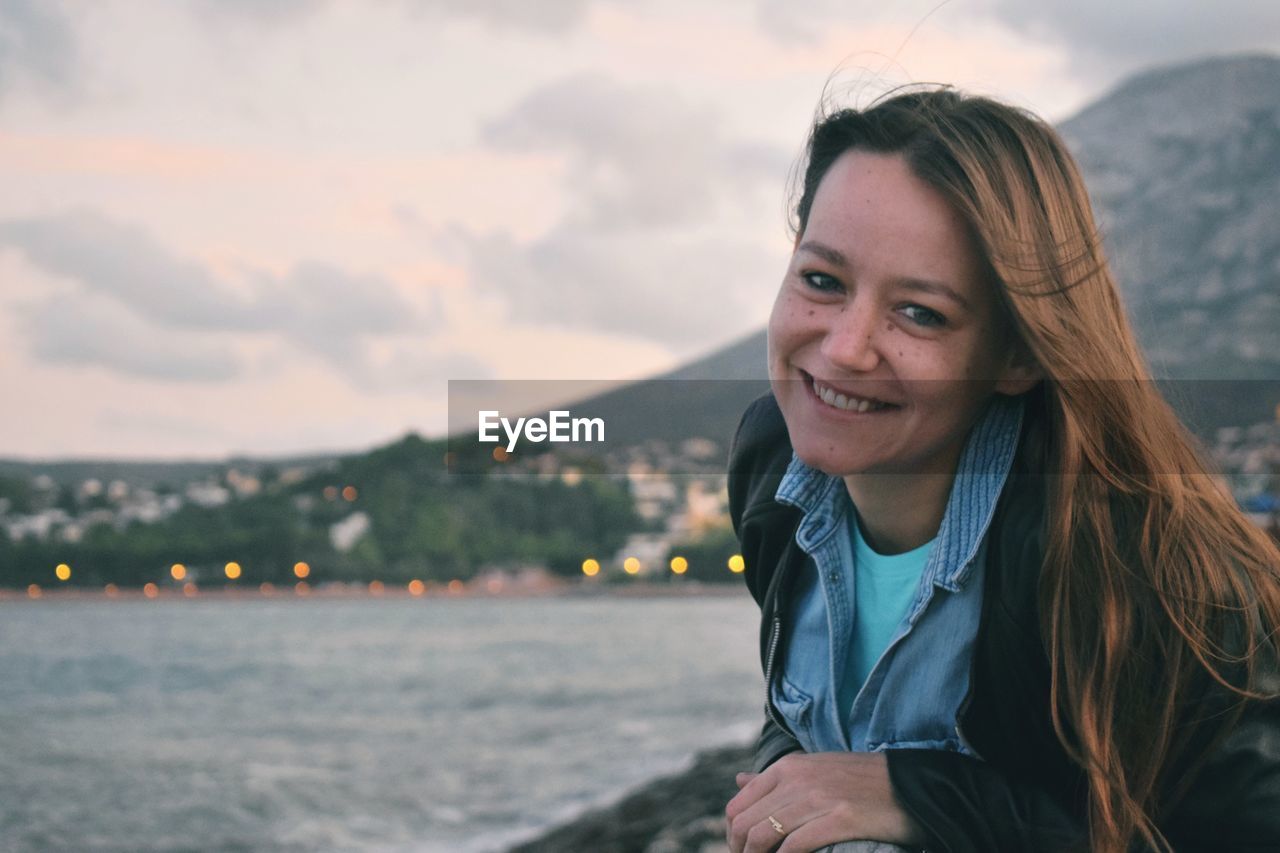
935	287
822	250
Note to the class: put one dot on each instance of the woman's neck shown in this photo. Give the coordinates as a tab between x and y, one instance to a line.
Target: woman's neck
899	512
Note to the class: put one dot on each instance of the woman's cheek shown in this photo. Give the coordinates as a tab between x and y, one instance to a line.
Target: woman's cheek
783	325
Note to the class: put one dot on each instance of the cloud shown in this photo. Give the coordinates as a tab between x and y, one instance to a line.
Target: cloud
125	263
272	12
330	311
636	156
131	290
1144	31
650	178
417	367
36	45
546	16
551	17
92	331
792	23
633	284
163	425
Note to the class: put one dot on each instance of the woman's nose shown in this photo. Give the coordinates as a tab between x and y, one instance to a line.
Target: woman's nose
851	343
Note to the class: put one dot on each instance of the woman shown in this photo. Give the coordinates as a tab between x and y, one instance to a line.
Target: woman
1004	606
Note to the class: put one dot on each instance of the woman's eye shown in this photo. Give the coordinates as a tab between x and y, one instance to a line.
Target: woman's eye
822	282
922	316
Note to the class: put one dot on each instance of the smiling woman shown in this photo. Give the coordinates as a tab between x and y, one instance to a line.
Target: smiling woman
885	342
1004	605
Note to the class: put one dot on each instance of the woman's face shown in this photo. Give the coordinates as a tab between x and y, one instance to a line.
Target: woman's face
884	342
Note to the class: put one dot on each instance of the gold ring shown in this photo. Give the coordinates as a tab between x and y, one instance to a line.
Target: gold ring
777	827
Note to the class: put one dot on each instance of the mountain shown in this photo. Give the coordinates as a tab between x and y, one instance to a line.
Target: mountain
1183	166
703	398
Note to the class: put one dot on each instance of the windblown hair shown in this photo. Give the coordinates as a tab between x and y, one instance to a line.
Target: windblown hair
1154	585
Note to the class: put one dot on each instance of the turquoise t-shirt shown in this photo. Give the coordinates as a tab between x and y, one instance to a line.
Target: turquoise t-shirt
884	585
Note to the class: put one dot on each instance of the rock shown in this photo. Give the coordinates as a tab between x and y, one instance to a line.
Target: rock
682	813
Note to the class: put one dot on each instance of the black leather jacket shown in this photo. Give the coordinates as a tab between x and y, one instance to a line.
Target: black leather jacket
1026	794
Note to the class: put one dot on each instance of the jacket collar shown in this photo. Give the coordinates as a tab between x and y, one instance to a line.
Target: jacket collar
980	476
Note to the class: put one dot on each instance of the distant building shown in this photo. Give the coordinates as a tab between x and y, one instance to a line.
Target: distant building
244	485
207	494
38	525
649	548
344	534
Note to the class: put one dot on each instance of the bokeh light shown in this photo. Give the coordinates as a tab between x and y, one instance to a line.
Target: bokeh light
737	564
679	565
301	569
590	567
178	571
63	572
233	570
631	566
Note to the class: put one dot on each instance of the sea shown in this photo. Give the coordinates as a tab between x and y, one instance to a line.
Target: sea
437	724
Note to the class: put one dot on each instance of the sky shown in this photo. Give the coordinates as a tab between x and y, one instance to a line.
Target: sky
273	227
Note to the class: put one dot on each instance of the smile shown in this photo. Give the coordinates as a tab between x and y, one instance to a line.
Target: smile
844	402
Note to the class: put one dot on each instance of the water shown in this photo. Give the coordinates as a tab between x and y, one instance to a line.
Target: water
372	725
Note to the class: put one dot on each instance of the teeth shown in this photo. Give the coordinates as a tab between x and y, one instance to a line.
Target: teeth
849	404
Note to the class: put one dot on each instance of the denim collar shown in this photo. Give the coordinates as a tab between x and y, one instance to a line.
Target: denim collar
980	476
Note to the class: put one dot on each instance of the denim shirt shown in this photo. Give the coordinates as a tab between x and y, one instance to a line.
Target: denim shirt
912	698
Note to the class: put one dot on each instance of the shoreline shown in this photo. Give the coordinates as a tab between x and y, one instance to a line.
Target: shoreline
674	813
360	591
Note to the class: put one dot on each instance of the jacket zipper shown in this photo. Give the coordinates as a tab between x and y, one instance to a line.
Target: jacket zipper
768	671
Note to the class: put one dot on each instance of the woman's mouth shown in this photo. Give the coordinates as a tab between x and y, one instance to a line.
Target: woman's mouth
845	402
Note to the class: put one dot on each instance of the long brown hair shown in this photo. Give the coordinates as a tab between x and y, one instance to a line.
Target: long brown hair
1154	584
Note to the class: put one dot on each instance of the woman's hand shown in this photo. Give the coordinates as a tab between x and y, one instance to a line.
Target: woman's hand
807	800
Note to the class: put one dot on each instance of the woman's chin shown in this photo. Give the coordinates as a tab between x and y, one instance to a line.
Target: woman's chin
833	462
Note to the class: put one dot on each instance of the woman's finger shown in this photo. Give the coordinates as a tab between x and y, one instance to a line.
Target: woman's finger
758	786
774	827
